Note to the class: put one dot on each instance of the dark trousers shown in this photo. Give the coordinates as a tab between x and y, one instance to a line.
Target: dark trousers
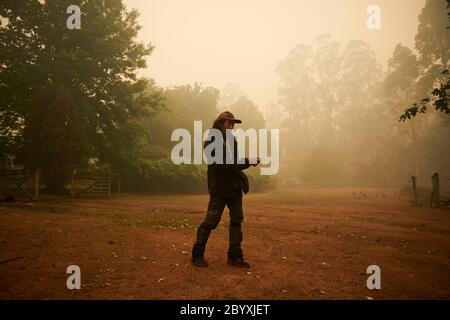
215	209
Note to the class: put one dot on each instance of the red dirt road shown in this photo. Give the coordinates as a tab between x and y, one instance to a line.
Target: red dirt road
301	243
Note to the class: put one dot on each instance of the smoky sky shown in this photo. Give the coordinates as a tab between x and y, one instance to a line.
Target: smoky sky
216	41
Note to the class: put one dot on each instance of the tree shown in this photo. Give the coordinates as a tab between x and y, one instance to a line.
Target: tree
246	110
182	106
432	38
297	83
53	139
402	71
230	93
357	116
98	64
432	87
439	100
401	89
297	100
339	127
432	45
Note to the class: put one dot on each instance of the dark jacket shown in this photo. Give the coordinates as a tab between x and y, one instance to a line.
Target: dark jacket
224	179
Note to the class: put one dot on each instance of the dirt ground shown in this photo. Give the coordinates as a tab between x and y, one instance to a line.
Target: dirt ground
302	243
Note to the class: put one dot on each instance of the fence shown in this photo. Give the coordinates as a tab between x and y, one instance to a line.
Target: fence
20	183
93	184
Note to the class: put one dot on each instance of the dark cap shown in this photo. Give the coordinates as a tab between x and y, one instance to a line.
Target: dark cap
227	115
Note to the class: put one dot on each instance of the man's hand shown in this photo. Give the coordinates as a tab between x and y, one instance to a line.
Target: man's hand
254	162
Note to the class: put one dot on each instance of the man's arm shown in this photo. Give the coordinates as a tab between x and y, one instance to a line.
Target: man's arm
231	166
228	166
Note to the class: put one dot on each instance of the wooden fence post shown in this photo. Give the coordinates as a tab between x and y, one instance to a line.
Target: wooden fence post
109	186
435	193
37	185
414	187
72	184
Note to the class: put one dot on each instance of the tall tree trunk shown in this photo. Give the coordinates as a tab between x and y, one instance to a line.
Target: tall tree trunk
415	149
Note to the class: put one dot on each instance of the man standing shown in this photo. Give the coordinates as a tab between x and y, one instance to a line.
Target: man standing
226	182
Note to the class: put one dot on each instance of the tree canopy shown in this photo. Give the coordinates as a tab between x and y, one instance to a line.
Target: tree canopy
432	45
97	65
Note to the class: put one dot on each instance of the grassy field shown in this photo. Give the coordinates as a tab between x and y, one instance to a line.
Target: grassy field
302	243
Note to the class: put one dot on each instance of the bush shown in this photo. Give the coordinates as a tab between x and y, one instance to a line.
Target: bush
259	183
162	175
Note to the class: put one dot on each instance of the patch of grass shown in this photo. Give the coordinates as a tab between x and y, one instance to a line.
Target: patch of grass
154	220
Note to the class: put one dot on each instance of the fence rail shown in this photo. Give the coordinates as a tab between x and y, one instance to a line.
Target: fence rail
93	184
19	183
